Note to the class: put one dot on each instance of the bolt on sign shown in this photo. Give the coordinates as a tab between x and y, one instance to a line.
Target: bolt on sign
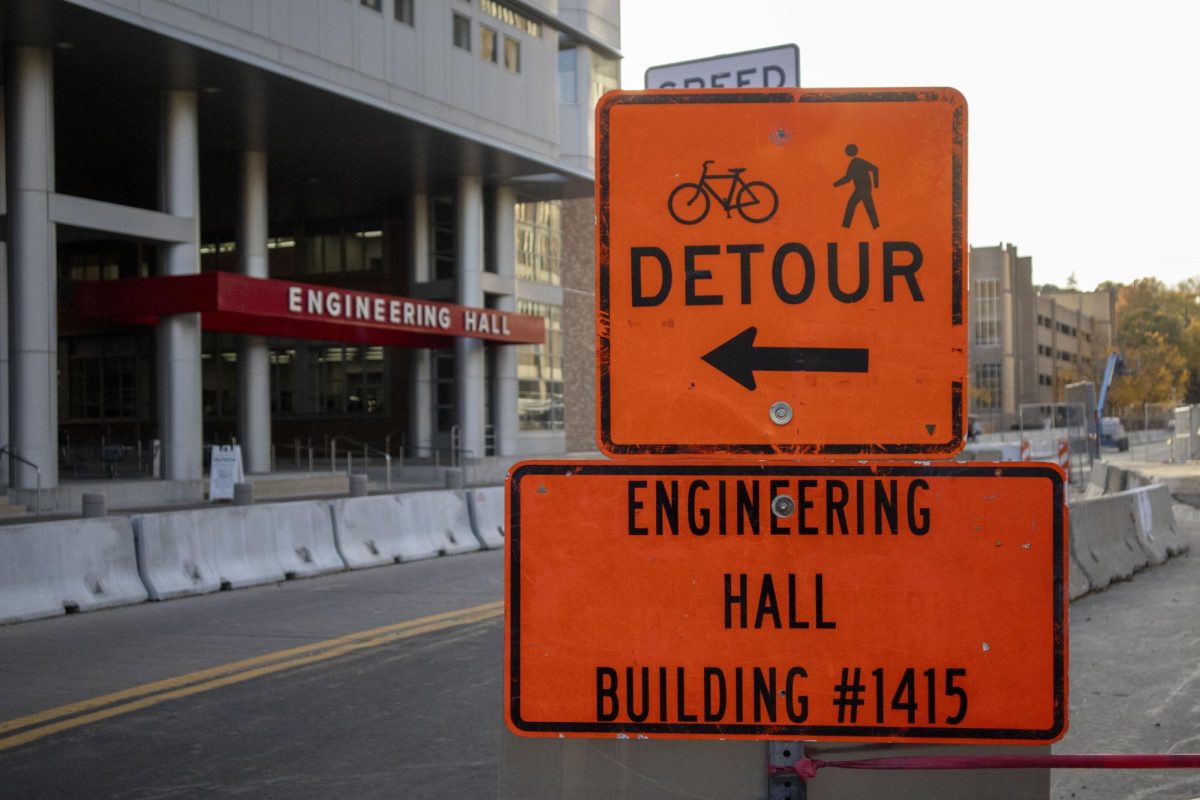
782	272
770	601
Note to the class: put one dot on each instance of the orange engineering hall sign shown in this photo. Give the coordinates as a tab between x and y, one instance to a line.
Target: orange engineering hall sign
771	601
782	272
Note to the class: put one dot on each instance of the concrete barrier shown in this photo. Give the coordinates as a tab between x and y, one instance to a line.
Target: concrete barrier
1165	525
366	530
49	568
1104	539
304	538
196	552
487	515
1078	584
388	529
1115	479
1187	518
989	452
1151	530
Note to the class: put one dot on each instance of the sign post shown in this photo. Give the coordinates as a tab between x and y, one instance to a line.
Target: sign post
782	273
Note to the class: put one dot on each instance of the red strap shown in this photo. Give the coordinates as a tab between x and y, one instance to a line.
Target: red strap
807	768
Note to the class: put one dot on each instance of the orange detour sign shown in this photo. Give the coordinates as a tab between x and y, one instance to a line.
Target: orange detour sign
766	601
782	272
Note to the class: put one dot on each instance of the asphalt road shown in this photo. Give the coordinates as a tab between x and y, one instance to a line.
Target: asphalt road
411	708
387	683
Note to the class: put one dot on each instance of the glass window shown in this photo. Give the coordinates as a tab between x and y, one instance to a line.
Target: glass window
93	267
987	394
110	260
283	377
374	5
316	379
356	248
364	381
331	380
605	76
108	377
218	375
511	16
442	239
462	32
445	397
986	313
404	12
488	48
539	373
539	241
568	75
512	54
332	254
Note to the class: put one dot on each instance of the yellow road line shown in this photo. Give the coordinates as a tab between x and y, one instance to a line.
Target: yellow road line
227	674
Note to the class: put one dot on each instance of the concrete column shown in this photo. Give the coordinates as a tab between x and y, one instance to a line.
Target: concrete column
32	257
468	352
179	405
4	312
504	360
254	368
420	369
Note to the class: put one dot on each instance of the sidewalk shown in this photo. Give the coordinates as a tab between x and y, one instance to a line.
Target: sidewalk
127	497
1182	479
1135	682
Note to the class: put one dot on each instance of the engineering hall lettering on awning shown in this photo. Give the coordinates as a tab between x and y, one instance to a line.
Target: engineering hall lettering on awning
268	307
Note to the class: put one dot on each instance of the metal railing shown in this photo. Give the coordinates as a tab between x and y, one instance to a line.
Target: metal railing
367	451
457	450
298	449
100	459
37	502
435	453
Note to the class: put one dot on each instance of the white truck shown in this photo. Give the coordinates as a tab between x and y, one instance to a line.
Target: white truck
1112	434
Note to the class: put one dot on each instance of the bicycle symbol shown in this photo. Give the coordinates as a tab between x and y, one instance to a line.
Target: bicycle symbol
756	201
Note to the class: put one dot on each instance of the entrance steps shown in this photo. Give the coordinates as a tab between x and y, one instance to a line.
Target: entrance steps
8	509
286	485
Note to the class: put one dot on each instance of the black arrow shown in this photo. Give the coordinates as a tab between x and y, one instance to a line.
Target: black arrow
740	359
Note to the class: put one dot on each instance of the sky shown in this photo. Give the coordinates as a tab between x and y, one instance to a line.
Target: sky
1083	117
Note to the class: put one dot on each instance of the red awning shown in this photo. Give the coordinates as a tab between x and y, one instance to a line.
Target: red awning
269	307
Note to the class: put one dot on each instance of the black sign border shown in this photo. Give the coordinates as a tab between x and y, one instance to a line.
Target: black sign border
945	449
531	470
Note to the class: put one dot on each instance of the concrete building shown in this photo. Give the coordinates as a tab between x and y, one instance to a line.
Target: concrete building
291	220
1026	346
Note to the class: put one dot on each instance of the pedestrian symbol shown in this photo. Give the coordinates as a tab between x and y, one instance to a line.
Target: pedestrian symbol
865	176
